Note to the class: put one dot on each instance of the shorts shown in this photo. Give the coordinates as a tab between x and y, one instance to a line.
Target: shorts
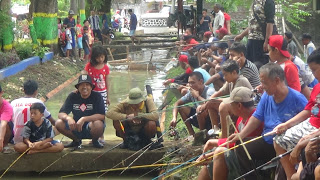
289	139
11	128
194	120
232	164
80	43
68	46
105	31
86	50
132	32
308	170
85	133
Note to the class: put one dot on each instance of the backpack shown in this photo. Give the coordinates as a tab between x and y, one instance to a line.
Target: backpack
63	39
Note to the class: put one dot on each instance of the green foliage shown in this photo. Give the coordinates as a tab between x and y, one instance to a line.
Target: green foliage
63	8
231	5
237	27
20	2
293	11
8	59
40	51
24	49
97	4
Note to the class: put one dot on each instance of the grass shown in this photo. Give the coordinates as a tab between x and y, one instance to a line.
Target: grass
49	75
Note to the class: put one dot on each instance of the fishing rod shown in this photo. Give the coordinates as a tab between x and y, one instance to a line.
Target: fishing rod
14	162
182	164
150	145
265	164
112	148
161	160
180	106
119	169
244	147
234	147
73	149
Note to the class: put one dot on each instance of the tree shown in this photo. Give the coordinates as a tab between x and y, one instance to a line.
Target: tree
6	28
45	22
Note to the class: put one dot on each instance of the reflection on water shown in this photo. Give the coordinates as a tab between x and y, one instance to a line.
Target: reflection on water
120	84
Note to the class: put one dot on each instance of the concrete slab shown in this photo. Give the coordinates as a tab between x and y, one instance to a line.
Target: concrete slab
79	160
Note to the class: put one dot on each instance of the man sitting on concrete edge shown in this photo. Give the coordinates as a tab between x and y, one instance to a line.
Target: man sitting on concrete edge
88	112
135	120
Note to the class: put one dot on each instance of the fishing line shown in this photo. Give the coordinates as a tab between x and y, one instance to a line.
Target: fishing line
14	162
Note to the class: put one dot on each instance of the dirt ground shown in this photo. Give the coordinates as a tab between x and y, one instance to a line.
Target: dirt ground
49	75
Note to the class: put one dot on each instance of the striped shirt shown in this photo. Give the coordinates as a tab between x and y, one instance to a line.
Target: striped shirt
250	71
94	22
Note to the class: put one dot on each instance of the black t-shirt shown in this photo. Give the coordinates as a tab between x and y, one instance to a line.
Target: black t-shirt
205	25
72	21
85	39
83	107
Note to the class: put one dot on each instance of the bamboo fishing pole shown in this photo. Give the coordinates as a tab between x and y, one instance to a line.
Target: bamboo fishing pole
234	147
14	162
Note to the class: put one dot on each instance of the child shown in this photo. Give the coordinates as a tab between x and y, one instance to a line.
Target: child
278	53
85	43
98	69
308	46
38	133
69	40
79	35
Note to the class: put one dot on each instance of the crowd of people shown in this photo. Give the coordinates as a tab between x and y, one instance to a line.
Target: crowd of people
220	80
76	35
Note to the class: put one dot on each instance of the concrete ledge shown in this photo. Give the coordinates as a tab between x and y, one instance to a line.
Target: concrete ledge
22	65
79	160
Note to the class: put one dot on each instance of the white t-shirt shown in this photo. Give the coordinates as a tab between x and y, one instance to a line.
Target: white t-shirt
21	114
218	21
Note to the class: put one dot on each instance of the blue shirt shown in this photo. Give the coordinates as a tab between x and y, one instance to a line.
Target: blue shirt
133	22
205	25
205	74
105	17
271	113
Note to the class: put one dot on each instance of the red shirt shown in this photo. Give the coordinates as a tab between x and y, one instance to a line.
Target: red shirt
240	126
98	76
292	75
226	18
191	44
79	30
314	119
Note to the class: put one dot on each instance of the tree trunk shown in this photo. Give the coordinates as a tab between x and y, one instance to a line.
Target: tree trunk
74	6
82	6
7	32
45	22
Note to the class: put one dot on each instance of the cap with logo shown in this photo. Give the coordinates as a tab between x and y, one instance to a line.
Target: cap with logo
239	94
84	78
135	96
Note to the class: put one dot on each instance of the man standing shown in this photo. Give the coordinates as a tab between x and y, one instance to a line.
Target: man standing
141	114
227	20
6	125
88	112
197	92
205	22
218	19
94	22
261	21
21	109
308	46
70	20
133	26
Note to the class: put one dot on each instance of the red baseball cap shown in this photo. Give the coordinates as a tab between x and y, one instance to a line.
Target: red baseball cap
207	34
183	58
222	31
278	41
